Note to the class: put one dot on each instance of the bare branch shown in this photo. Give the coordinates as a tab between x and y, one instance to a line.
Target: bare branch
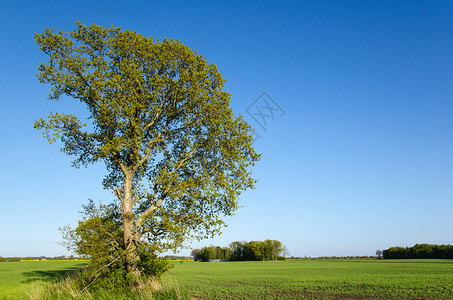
99	271
118	194
146	213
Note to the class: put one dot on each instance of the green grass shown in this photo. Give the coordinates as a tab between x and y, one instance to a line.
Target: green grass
16	278
316	279
37	280
312	279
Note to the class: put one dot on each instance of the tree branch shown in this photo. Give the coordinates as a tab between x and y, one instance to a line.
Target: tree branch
153	207
99	271
155	118
118	194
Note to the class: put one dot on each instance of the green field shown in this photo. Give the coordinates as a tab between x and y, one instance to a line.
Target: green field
16	278
317	279
328	279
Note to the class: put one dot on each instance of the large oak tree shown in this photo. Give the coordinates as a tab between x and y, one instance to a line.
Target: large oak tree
176	155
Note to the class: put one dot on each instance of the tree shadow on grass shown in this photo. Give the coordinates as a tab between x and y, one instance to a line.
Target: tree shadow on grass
48	275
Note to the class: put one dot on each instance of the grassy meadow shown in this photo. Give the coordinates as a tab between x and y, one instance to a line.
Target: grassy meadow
305	279
17	278
328	279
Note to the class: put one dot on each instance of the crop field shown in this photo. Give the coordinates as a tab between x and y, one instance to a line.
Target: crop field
16	278
316	279
307	279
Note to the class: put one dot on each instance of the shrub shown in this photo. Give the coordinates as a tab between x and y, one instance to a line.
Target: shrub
99	236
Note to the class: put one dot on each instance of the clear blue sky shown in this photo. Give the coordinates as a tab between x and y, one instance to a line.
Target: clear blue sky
362	158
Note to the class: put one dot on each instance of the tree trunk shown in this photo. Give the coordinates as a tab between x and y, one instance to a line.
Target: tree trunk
130	242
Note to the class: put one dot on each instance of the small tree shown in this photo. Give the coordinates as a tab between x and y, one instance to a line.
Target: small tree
205	254
195	253
378	254
177	157
99	237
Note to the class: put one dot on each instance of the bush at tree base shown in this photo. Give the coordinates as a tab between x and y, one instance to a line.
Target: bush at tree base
115	276
99	237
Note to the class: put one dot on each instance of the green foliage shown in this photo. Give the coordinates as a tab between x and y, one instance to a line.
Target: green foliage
419	251
10	259
258	250
104	274
254	250
99	237
177	157
205	254
151	264
112	274
54	280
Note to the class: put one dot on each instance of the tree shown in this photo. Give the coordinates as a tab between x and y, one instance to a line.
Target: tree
177	158
205	254
211	252
254	250
378	254
99	237
237	248
257	250
195	253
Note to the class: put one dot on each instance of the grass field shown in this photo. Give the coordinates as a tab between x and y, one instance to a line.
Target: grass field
316	279
17	277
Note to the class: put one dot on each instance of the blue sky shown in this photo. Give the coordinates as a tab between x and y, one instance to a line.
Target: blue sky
361	160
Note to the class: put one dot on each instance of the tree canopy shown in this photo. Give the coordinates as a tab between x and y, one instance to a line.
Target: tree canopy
419	251
177	157
253	250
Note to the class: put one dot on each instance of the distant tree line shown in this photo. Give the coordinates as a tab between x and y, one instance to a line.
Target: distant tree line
330	257
419	251
72	257
5	259
212	252
258	250
176	257
242	251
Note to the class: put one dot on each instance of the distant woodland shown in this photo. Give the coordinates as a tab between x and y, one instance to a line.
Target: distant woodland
419	251
242	251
